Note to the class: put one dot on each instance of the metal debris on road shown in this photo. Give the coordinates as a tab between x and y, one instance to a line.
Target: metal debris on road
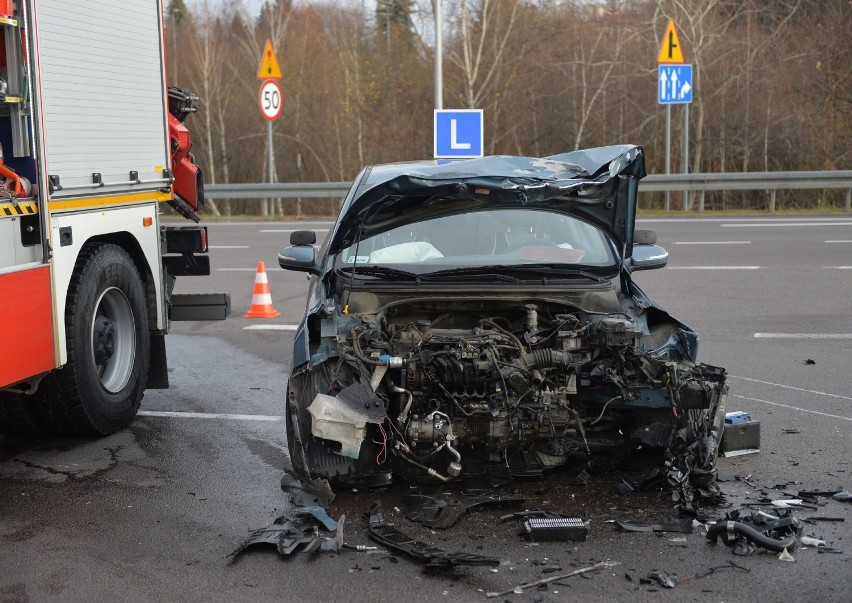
659	576
392	538
289	532
521	587
439	513
774	533
683	526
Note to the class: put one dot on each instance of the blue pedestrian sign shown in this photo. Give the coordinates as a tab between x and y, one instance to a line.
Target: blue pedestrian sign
458	134
674	84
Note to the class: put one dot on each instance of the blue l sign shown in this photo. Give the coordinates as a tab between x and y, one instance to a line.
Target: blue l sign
674	84
458	134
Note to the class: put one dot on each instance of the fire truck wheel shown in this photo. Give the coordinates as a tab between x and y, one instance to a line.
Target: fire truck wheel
99	389
18	416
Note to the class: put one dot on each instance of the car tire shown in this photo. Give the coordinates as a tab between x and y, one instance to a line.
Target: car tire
98	390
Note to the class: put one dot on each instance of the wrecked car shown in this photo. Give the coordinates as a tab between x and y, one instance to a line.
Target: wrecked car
479	318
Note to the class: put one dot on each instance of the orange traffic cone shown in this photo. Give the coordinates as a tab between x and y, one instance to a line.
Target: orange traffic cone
261	301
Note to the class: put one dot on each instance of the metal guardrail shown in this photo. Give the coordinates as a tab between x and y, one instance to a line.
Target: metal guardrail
654	183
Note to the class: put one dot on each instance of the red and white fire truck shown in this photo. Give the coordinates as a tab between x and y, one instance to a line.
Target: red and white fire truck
93	147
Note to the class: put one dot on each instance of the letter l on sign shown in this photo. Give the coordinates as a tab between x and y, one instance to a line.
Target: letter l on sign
454	137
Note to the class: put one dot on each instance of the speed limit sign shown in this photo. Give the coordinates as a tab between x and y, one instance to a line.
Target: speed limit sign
271	100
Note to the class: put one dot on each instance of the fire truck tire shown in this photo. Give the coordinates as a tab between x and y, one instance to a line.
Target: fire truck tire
18	415
99	389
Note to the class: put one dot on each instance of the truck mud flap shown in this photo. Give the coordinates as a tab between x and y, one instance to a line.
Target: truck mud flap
200	306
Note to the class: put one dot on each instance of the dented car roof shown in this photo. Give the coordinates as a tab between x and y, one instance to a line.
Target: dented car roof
596	185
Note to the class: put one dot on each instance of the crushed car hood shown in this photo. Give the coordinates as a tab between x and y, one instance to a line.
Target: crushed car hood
596	185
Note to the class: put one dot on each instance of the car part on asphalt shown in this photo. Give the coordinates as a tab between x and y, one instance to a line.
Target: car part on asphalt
684	526
535	513
439	513
659	576
773	533
741	435
543	529
785	556
392	538
304	494
294	530
844	496
522	587
481	316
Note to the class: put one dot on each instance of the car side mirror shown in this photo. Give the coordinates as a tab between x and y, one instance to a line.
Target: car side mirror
301	258
648	257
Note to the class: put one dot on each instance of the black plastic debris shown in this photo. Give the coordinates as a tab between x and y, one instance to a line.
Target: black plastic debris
844	496
683	526
305	494
543	529
626	487
296	530
392	538
775	533
815	493
791	431
659	576
439	513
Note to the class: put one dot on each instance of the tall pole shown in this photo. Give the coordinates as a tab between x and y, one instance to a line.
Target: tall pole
439	57
270	159
685	152
668	150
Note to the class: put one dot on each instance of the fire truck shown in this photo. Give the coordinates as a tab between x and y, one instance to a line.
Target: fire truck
93	151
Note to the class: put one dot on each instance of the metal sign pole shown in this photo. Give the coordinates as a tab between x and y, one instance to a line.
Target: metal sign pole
439	57
668	150
685	152
270	158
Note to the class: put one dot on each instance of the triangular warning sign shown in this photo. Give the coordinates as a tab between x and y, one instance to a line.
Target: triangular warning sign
670	49
269	68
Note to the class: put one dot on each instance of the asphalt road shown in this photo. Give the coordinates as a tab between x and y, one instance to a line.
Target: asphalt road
152	513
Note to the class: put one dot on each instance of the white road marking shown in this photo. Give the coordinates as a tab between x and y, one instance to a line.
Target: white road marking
207	415
271	328
798	389
713	268
803	336
227	247
813	412
293	230
760	224
665	220
712	242
840	241
837	267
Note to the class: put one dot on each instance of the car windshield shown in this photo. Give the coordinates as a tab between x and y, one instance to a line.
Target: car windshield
504	238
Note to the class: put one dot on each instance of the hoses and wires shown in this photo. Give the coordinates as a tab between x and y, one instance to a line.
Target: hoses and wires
603	410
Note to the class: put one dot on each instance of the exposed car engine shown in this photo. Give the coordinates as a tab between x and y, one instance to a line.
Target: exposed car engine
522	388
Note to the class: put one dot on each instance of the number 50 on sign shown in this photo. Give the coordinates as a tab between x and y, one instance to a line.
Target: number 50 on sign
271	100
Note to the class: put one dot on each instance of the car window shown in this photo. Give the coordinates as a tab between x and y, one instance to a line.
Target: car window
505	237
